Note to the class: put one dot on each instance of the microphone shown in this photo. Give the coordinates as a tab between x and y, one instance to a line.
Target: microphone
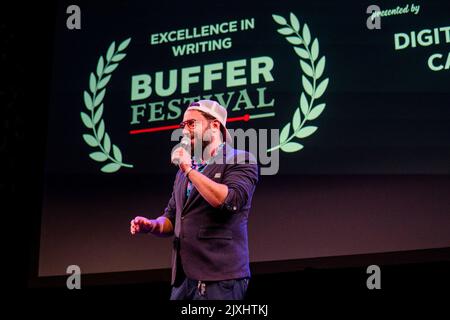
185	143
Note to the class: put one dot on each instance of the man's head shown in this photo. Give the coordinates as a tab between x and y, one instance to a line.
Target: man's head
205	122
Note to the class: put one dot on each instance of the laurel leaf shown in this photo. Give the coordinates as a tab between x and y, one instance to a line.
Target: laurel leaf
321	88
312	70
306	68
90	140
304	104
306	131
315	49
99	97
307	85
296	120
118	57
86	120
302	53
101	130
294	22
97	87
102	83
320	67
111	167
291	147
117	154
285	132
123	45
87	100
100	66
110	52
111	68
92	82
294	40
316	111
279	19
306	35
98	114
98	156
285	31
107	143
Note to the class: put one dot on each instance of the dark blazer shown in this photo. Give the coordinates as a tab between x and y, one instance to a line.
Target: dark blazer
212	243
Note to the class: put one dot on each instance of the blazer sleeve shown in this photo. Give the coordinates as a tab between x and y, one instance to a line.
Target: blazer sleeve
241	181
171	208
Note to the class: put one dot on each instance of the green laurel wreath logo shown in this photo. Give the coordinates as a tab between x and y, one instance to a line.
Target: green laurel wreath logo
314	70
93	101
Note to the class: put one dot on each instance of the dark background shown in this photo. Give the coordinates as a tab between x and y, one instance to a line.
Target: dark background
25	107
387	112
373	178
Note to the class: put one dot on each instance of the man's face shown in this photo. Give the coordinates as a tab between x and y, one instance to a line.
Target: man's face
197	128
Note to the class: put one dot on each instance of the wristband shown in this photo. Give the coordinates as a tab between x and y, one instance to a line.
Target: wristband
187	172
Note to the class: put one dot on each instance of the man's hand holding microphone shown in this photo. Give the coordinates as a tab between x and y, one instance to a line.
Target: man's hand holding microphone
181	156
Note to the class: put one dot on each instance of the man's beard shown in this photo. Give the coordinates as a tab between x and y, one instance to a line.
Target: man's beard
199	145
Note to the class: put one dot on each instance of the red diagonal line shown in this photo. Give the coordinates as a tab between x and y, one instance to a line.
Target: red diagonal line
175	126
245	118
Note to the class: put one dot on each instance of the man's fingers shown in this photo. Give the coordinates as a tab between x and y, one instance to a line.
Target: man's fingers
178	155
140	224
138	220
175	158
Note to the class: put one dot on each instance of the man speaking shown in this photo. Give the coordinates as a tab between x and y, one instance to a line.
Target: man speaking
208	211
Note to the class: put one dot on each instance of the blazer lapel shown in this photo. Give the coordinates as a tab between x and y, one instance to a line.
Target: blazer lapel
194	193
182	186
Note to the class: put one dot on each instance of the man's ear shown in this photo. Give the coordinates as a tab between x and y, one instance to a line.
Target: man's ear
216	125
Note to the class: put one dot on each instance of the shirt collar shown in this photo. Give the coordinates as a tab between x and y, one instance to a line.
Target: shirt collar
200	162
